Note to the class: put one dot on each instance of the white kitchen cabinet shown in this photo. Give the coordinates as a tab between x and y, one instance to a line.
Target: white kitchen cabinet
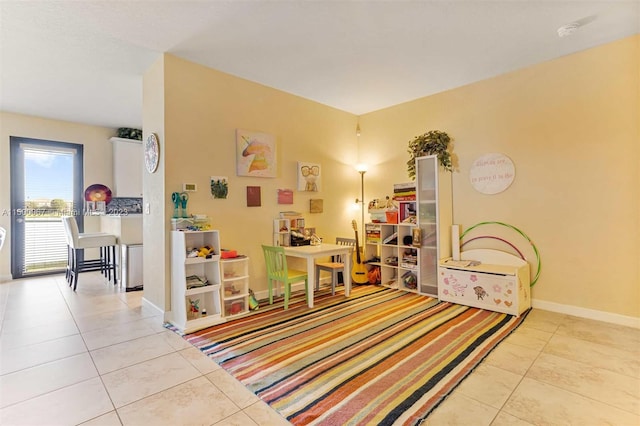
195	281
128	164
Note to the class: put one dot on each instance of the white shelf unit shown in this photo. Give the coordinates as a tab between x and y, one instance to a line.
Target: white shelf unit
282	232
398	258
235	286
208	296
434	217
283	227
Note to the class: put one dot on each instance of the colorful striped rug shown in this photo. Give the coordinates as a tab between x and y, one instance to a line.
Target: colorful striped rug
380	356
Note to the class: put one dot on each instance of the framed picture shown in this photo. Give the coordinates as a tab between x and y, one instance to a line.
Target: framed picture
253	196
308	177
255	154
219	186
316	205
285	196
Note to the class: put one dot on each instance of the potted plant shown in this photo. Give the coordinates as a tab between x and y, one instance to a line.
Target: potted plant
434	142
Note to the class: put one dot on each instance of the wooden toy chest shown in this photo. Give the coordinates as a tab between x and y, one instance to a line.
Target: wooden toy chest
499	283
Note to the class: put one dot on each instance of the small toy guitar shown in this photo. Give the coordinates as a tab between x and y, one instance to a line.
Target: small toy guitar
358	268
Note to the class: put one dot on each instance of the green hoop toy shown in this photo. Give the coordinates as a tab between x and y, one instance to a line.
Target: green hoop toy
535	249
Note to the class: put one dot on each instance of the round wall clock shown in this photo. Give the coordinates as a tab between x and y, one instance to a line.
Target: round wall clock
151	153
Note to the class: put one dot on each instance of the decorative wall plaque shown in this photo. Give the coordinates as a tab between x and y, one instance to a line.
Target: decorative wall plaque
492	173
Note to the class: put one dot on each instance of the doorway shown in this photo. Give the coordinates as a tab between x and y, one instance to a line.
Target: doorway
46	183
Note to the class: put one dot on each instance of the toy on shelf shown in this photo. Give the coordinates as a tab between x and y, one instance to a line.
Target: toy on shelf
179	200
228	254
205	251
194	308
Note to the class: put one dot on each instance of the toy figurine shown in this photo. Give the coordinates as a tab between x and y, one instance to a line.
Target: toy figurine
175	197
194	307
184	197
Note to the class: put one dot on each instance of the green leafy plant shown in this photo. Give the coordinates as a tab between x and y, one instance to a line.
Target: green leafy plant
128	133
434	142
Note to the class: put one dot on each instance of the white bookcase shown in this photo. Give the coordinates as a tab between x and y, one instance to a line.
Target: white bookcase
235	286
195	307
408	252
282	232
282	228
398	259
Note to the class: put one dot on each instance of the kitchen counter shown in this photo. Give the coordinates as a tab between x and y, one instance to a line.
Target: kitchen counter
126	228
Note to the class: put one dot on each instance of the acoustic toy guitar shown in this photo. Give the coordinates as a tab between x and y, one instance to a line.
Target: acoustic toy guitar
358	268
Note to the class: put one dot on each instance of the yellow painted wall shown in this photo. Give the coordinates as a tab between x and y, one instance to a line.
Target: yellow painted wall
98	166
202	110
571	127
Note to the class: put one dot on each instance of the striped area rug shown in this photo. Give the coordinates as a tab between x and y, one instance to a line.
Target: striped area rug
380	356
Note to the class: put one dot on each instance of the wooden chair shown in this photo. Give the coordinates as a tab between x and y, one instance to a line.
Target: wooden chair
335	266
77	241
277	271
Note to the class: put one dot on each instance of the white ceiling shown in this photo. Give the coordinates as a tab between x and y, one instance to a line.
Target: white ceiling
83	61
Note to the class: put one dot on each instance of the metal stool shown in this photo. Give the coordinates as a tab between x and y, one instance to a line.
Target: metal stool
77	241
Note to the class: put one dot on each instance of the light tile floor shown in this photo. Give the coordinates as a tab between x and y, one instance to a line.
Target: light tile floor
97	357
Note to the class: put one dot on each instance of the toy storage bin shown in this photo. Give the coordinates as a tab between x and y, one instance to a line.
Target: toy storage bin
391	216
234	307
378	215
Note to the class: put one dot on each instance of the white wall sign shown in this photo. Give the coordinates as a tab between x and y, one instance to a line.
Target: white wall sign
492	173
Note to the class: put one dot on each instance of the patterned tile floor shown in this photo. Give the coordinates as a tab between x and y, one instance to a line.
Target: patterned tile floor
97	357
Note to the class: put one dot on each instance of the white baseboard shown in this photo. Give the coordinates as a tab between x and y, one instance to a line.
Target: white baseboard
5	278
150	305
586	313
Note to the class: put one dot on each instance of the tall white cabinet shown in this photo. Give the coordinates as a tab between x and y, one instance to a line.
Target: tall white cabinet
435	217
195	281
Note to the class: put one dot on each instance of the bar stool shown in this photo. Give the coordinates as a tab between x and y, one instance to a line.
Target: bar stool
336	265
77	241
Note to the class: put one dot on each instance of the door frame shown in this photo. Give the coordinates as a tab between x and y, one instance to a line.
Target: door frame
17	176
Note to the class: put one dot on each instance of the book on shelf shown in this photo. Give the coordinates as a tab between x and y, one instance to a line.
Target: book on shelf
373	238
411	197
401	187
390	238
372	233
